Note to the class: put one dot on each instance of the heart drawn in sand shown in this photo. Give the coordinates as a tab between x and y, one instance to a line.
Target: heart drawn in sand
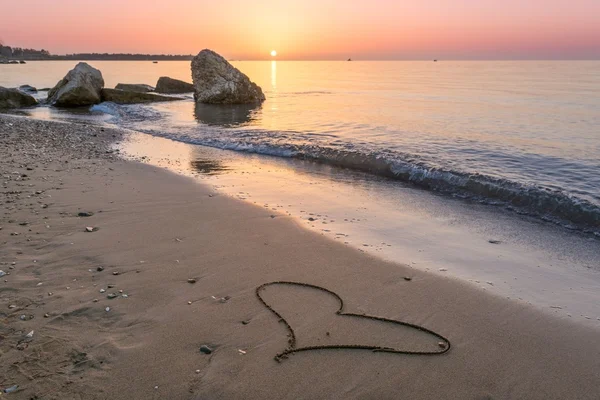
443	344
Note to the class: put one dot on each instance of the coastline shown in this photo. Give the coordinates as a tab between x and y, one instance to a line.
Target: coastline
170	230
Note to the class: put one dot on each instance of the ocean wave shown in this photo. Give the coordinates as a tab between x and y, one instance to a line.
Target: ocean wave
545	203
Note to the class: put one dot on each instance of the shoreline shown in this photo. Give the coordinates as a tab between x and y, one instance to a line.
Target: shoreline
158	223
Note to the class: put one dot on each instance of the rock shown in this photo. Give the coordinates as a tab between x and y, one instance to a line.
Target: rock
80	87
135	87
492	241
130	97
170	85
85	214
14	98
216	81
100	269
192	280
91	229
205	349
27	88
407	278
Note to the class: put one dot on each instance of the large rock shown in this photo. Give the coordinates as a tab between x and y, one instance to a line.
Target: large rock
135	87
170	85
80	87
218	82
128	97
14	98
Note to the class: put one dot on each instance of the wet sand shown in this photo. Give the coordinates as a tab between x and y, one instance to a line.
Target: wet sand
158	232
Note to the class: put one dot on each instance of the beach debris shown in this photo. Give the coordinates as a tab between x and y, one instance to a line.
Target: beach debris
191	280
100	269
2	273
115	273
110	286
11	389
242	352
91	229
246	322
12	306
29	335
85	214
107	309
492	241
221	299
25	317
407	278
102	290
205	349
111	296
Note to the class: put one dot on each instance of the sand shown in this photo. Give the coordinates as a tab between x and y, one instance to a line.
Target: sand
157	230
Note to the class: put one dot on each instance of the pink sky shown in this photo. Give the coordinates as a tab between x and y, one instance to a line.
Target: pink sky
310	29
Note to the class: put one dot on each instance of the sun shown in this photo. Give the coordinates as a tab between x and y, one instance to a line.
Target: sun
273	53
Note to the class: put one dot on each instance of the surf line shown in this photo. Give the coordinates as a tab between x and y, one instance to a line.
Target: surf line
444	343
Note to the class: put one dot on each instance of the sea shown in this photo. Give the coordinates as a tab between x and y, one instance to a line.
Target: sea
506	149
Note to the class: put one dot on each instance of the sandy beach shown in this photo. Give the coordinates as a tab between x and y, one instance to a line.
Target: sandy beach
170	265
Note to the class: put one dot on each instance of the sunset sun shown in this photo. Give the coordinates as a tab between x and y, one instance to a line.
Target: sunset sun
273	53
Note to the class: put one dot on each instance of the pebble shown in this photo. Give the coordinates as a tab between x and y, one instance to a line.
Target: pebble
191	280
116	273
90	229
189	303
102	290
111	296
107	309
442	345
100	269
46	315
205	349
494	241
407	278
197	371
85	214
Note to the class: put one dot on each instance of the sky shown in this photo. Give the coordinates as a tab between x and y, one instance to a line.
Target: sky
310	29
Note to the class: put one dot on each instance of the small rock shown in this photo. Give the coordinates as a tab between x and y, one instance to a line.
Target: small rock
443	269
246	322
116	273
91	229
205	349
197	371
407	278
11	389
442	345
46	315
85	214
111	296
102	290
100	269
191	280
107	309
492	241
29	335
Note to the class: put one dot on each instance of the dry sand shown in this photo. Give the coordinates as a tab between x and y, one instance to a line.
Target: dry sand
156	230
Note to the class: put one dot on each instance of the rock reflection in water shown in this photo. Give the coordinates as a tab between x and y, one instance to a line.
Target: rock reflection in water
227	115
207	166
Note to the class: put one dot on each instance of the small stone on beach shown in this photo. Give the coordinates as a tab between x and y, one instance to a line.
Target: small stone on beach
205	349
191	280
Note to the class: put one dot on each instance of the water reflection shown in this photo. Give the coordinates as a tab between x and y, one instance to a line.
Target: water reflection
274	75
208	166
226	115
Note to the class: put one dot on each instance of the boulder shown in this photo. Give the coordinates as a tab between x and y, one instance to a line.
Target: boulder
170	85
14	98
80	87
216	81
129	97
135	87
27	88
